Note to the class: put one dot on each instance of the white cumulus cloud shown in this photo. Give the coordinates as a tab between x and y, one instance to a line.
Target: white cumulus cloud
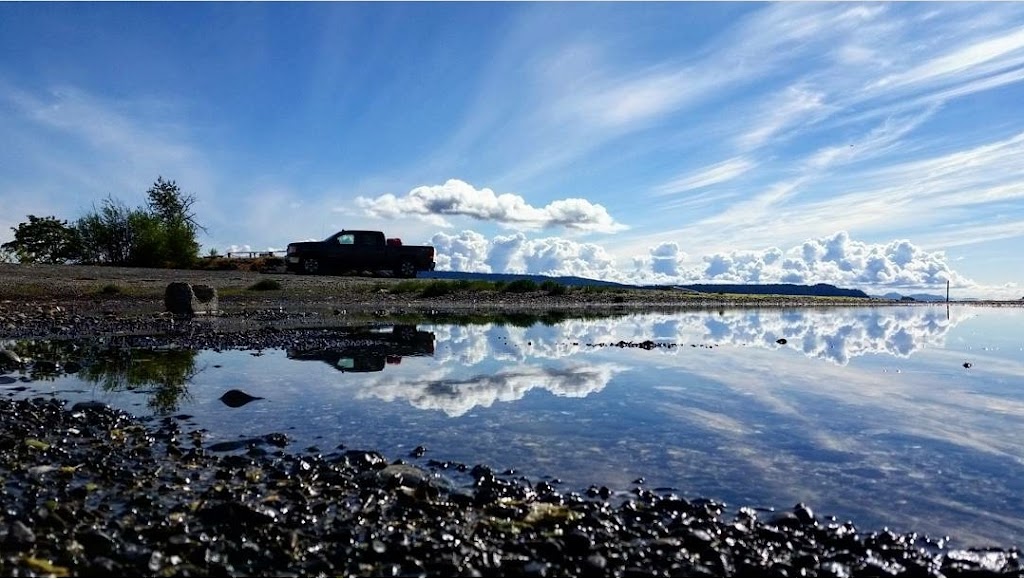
458	198
470	251
838	260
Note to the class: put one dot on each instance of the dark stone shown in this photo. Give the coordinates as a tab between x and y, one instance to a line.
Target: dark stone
277	439
804	513
186	300
9	358
237	398
365	459
233	514
97	543
596	563
396	475
20	534
88	405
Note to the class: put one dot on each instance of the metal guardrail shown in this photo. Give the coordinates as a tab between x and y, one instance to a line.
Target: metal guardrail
248	254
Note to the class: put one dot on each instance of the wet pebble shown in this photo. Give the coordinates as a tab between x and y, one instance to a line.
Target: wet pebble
237	398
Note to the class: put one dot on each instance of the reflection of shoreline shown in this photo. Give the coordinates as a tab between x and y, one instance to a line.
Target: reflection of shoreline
164	374
838	338
455	397
836	335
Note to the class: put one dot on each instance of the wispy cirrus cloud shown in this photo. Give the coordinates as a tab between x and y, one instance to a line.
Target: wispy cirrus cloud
977	57
793	106
713	175
75	147
128	137
79	147
888	170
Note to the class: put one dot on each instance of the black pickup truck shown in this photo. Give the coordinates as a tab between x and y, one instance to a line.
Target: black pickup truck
358	251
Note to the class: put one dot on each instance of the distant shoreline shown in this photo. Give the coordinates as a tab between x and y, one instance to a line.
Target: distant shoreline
98	289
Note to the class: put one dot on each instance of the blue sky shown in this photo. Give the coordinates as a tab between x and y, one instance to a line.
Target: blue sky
869	145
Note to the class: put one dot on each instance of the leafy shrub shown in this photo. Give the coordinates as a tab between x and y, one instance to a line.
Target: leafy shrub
220	264
520	286
436	289
266	285
553	288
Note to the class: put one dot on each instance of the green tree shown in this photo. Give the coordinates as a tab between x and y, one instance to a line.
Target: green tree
43	240
173	208
168	202
106	234
162	234
149	240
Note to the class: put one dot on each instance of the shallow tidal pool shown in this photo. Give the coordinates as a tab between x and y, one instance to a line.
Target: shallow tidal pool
910	418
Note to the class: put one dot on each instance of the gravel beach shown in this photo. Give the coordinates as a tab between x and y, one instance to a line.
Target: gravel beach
91	491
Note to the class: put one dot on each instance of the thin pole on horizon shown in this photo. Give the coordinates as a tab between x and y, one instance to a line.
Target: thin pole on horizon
947	300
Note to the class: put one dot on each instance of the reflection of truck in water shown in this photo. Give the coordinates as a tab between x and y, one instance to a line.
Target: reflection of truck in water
370	349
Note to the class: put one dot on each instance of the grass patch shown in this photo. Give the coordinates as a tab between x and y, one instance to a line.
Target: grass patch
265	285
437	288
111	290
477	285
599	289
408	287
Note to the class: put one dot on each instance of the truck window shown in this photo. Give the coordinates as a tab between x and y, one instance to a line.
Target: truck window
346	239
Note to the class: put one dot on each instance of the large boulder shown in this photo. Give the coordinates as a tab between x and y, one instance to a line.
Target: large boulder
183	299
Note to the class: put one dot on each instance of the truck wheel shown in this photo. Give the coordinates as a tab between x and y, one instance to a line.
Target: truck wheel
310	265
405	269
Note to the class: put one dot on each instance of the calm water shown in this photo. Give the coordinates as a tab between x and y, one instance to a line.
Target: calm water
865	414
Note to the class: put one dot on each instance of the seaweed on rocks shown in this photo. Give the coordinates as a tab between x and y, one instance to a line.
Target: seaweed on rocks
93	491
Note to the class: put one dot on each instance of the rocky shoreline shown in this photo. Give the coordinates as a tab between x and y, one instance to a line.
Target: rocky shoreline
92	491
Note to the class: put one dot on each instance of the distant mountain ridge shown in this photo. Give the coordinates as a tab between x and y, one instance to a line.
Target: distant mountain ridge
568	280
916	297
786	289
782	289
